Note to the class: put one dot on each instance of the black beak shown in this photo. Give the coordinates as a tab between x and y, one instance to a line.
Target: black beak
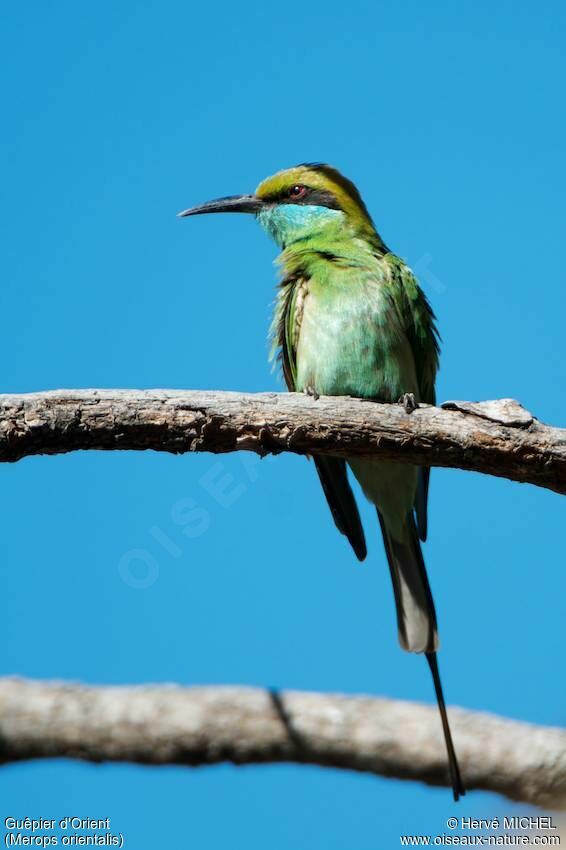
233	203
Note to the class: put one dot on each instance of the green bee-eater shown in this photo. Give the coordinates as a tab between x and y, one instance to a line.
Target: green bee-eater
351	319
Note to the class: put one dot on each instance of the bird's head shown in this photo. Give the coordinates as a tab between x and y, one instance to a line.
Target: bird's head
301	202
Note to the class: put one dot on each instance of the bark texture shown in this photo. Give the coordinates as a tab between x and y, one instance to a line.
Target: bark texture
166	724
495	437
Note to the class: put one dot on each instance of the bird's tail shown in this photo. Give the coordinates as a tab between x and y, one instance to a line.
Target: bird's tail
457	785
416	618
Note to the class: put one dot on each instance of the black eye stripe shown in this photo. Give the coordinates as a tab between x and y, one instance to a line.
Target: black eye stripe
311	197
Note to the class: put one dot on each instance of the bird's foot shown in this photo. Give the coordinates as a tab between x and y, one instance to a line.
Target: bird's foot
408	402
310	391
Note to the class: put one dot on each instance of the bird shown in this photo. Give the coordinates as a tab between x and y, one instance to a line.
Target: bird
350	319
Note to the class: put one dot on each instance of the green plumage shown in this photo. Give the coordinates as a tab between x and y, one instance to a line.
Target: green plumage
350	320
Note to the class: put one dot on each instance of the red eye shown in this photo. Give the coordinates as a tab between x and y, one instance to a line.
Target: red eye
297	191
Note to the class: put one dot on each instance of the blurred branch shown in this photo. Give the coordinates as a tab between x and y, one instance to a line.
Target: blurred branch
166	724
496	437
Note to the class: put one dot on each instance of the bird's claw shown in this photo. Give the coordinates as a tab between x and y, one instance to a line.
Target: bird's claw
310	391
408	402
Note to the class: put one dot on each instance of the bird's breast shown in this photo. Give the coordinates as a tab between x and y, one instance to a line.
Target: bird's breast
350	342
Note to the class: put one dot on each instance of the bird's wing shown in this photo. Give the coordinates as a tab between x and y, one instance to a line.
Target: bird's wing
286	326
341	501
332	472
420	326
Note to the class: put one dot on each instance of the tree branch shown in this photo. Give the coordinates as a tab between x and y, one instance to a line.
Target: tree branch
498	437
166	724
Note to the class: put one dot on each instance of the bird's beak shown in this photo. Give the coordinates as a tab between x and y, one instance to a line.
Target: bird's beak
233	203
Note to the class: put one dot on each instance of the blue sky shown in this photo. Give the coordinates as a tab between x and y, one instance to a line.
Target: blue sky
116	116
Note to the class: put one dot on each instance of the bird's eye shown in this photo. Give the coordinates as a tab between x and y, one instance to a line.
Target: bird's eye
297	191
